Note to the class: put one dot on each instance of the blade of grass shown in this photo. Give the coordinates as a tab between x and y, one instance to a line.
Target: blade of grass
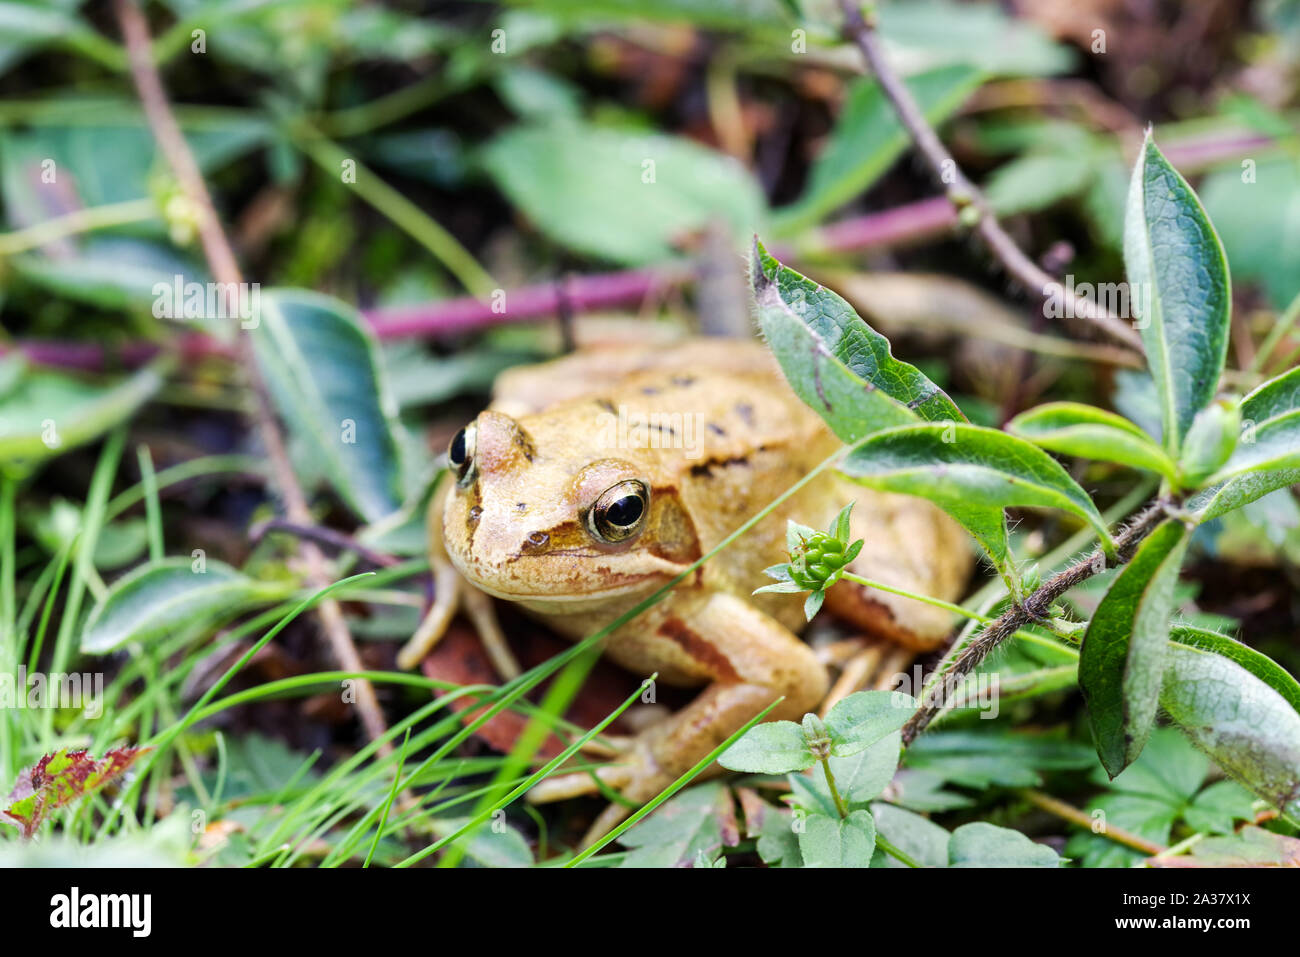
383	817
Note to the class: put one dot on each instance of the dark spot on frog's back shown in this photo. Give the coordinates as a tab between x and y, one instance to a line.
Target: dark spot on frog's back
525	444
746	413
607	405
699	649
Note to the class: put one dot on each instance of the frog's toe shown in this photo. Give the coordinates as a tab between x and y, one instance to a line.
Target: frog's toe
579	784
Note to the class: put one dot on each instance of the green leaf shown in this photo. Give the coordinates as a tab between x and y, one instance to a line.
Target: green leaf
1259	220
489	844
45	413
772	748
1219	807
323	371
980	760
868	138
1179	274
1037	180
841	367
1250	730
1257	663
985	845
617	194
918	837
1125	648
158	598
1072	428
862	776
946	31
972	473
684	826
832	842
1267	456
861	719
57	780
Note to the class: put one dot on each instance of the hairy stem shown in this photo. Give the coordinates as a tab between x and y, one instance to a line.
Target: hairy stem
1034	608
862	32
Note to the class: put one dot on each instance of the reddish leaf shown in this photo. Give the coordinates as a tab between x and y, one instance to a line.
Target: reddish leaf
57	780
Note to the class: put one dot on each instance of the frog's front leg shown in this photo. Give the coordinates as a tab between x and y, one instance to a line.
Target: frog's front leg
745	658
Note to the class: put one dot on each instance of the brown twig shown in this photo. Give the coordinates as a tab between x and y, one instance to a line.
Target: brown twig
225	269
964	193
1068	812
1035	607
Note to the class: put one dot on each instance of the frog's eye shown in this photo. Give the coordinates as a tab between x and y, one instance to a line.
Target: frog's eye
460	454
620	511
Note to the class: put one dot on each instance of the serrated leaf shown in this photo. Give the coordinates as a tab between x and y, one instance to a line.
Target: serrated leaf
1122	661
1174	258
863	718
160	597
859	778
985	845
834	842
323	371
772	748
1250	730
684	826
836	363
1073	428
972	473
868	138
57	780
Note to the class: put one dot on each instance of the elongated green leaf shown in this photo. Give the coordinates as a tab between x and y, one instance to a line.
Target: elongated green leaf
620	195
841	367
1239	491
868	138
1073	428
1273	398
1180	288
1267	456
158	598
323	371
1238	718
1258	664
971	473
831	842
1125	648
45	413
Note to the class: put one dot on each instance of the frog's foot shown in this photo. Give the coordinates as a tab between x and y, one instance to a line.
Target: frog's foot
876	666
452	594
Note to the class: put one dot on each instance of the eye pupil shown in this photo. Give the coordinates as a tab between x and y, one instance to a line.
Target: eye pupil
456	451
620	512
626	511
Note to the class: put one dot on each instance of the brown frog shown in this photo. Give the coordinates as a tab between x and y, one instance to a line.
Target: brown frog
593	480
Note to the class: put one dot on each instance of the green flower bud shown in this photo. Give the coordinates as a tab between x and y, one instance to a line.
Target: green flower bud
1210	441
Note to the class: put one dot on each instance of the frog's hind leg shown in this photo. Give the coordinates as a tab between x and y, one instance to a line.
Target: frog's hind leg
451	594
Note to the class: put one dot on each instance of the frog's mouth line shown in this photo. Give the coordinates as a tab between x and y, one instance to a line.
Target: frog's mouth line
551	598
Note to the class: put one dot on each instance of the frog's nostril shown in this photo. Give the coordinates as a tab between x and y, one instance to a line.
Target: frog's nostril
537	540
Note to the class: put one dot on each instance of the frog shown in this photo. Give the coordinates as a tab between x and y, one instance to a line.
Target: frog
594	480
